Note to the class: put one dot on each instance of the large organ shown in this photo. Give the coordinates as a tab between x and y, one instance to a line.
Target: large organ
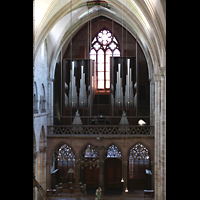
80	97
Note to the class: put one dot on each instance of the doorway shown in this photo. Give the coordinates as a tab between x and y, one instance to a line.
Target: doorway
113	171
63	160
89	168
113	174
139	162
90	177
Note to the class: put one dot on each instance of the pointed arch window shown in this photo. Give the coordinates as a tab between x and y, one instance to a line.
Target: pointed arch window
113	152
64	160
65	153
104	46
90	152
89	157
42	100
139	160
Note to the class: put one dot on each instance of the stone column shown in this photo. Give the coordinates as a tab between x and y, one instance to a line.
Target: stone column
35	167
50	101
160	135
152	102
163	134
152	177
101	170
157	138
101	176
77	172
48	175
43	167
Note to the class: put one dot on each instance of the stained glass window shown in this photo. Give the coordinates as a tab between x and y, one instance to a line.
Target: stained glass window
104	46
65	153
113	152
139	152
90	152
65	160
138	161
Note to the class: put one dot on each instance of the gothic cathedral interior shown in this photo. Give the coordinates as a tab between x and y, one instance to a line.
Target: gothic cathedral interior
99	97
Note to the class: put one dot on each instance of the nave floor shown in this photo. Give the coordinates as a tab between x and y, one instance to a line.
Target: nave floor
132	195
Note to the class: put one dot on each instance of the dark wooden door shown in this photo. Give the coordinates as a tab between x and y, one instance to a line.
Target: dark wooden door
113	174
137	179
90	177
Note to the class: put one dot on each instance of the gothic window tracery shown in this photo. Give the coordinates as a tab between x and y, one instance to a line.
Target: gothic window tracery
89	157
139	160
90	152
139	152
64	161
113	152
104	45
65	153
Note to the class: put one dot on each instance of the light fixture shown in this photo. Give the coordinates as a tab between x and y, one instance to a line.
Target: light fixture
126	190
88	161
122	180
98	138
141	122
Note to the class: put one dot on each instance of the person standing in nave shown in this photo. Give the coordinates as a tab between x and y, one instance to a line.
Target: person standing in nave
98	193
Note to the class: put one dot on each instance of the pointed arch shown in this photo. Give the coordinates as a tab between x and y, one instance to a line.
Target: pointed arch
59	145
34	142
104	45
35	98
113	152
64	153
138	162
139	151
42	140
89	166
34	153
41	160
42	99
89	152
62	160
113	168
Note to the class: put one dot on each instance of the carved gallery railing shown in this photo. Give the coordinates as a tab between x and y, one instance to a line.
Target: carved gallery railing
103	130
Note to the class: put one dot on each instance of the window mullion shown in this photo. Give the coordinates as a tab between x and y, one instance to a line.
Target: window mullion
104	70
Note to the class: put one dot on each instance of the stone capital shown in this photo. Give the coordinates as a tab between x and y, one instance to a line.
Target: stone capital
158	73
44	149
162	71
35	155
157	77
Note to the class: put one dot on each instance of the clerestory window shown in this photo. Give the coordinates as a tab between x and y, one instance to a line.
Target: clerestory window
104	45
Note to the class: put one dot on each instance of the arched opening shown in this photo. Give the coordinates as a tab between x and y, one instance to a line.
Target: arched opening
42	100
35	98
34	163
104	45
89	167
113	171
102	76
138	163
140	17
34	152
41	160
63	165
